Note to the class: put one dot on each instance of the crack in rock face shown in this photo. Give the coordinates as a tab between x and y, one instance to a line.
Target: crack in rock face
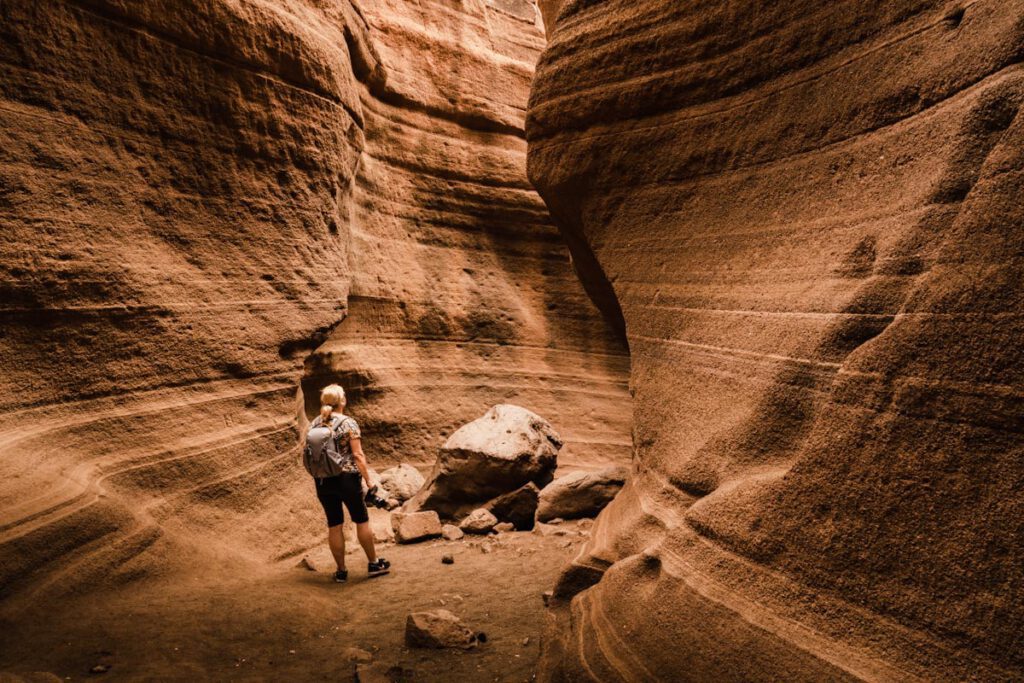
809	218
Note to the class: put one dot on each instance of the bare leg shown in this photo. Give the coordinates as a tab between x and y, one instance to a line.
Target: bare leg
336	541
365	536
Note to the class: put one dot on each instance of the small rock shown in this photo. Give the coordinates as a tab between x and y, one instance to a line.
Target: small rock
485	549
566	544
479	521
546	597
526	641
411	527
371	673
584	523
450	532
358	654
438	629
447	558
100	669
556	520
504	527
546	530
518	507
307	564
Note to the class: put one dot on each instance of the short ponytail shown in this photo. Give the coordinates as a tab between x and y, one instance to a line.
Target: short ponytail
332	397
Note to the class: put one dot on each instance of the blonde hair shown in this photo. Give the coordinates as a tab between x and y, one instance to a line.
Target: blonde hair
332	397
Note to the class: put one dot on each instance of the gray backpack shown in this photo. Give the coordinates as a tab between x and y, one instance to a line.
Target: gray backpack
321	455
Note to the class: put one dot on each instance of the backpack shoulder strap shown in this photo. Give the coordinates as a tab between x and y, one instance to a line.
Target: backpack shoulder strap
335	424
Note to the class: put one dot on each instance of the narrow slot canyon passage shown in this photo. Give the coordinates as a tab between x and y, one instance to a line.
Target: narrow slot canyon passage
751	271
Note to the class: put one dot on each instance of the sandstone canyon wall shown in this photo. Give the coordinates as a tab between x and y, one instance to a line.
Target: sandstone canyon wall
194	195
810	218
460	293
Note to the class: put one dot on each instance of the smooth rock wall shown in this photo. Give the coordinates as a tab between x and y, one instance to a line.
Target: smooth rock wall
809	215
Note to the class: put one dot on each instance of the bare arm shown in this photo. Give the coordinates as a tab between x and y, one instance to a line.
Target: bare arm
360	459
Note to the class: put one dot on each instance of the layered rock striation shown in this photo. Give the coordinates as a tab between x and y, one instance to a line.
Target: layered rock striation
194	195
175	197
461	295
808	217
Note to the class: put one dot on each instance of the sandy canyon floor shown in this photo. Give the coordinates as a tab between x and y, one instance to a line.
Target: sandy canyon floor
218	618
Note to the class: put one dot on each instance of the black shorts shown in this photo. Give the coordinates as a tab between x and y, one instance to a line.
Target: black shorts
344	489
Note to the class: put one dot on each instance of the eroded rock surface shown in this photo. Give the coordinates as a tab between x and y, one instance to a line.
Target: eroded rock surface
807	217
175	186
462	296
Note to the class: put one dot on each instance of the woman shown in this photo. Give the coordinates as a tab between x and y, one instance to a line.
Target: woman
345	489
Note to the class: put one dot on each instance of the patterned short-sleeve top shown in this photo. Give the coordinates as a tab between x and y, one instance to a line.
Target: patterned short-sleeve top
345	428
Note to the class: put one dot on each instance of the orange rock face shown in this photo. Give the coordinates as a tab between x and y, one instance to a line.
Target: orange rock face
809	216
195	193
461	297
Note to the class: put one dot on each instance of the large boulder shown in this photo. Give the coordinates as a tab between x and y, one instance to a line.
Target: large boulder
580	494
497	453
517	507
411	527
438	629
401	482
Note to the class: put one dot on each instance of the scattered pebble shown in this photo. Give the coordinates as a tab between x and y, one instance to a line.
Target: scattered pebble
100	669
546	597
447	558
526	641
